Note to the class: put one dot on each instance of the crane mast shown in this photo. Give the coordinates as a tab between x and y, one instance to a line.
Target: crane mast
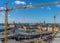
54	30
54	24
6	24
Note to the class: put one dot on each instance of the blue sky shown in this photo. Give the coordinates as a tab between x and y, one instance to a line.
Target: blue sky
30	15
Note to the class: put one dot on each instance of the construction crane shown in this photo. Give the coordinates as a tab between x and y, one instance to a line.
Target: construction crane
41	33
19	7
55	30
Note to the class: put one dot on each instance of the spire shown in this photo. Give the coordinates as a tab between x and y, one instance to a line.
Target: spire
44	22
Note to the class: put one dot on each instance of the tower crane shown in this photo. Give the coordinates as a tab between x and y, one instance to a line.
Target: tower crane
20	7
54	30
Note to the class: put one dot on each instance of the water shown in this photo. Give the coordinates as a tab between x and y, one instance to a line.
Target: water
57	40
1	27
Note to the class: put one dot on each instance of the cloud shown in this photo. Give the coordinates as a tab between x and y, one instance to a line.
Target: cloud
1	8
30	6
48	8
30	3
58	6
3	14
56	2
20	2
9	15
42	7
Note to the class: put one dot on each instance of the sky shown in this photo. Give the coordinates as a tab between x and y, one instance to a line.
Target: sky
30	15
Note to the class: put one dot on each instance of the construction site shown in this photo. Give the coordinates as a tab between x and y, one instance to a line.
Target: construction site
39	32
